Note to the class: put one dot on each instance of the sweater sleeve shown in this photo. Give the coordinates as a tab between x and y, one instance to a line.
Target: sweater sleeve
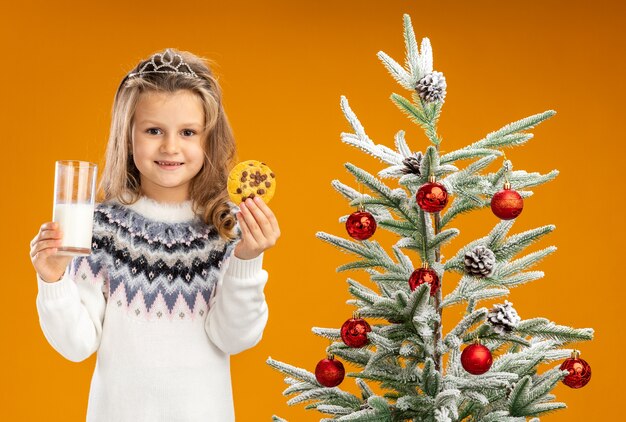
238	311
71	311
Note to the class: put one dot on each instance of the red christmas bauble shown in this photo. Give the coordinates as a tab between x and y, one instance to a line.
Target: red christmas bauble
354	332
432	197
507	204
329	372
424	275
476	359
361	225
579	372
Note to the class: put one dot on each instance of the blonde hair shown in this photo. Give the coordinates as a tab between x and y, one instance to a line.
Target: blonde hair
120	177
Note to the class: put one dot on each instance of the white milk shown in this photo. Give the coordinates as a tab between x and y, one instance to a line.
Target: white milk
76	223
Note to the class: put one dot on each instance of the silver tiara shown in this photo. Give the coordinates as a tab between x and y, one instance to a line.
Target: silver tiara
166	62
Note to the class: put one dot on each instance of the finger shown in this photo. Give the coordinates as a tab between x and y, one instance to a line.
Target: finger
254	229
50	225
47	230
47	234
245	231
51	234
268	213
41	230
45	244
45	253
260	218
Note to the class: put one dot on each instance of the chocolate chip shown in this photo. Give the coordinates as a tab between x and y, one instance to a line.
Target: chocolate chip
264	177
260	191
272	174
243	198
268	184
245	173
250	164
243	179
238	190
251	195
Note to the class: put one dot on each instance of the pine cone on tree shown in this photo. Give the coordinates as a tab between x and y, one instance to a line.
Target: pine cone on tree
432	87
510	388
503	317
480	261
412	164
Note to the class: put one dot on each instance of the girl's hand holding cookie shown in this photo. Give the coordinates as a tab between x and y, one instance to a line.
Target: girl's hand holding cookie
43	248
259	228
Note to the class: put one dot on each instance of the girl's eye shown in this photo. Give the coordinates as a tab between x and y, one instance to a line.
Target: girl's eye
153	131
188	132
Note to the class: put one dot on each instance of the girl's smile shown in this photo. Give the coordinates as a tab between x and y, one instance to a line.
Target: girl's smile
169	165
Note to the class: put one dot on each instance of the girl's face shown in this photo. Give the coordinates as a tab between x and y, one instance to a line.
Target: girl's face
168	143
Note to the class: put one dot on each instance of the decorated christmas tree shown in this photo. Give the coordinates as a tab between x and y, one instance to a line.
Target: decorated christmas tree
491	366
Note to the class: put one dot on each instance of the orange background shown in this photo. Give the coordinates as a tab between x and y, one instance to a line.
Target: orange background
283	66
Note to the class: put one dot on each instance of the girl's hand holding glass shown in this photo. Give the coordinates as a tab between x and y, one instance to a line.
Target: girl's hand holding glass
43	253
259	228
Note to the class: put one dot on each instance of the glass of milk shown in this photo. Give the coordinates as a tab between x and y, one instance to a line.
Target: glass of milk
74	200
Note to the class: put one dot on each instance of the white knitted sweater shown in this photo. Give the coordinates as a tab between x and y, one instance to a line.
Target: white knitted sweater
164	302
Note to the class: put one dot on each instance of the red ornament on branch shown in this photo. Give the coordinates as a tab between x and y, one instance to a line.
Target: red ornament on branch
579	371
432	196
361	224
329	372
424	275
507	203
476	359
354	332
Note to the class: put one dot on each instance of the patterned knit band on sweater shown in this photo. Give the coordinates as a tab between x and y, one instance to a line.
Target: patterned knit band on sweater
158	269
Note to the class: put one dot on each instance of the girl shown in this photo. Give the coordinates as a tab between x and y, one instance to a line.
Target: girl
174	283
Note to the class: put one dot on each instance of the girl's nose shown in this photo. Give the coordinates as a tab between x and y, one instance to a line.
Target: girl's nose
169	144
